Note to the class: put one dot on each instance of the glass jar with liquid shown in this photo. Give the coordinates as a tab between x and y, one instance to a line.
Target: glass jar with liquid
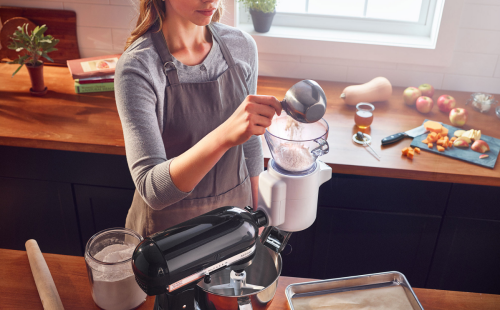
364	115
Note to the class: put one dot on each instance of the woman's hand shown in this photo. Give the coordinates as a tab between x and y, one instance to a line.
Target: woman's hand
252	117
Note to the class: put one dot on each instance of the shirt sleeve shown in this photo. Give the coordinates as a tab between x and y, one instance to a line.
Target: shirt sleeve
254	157
136	103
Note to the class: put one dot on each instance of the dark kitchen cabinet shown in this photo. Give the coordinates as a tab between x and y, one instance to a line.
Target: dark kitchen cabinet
370	224
467	257
100	208
40	210
361	242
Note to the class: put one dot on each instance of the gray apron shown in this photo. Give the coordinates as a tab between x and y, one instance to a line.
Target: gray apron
192	110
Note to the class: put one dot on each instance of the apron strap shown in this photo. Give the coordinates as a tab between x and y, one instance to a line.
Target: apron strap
166	58
223	46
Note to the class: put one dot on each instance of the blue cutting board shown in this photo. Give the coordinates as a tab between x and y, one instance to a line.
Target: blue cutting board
467	155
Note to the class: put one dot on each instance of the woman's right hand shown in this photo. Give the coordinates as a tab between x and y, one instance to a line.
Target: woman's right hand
252	117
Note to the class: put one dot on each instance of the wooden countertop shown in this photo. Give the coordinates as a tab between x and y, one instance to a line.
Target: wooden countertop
18	290
63	120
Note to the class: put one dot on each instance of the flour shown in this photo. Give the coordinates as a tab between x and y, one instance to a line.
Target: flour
114	286
293	129
293	156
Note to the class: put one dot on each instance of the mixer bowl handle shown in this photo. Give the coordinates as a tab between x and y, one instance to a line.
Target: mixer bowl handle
322	149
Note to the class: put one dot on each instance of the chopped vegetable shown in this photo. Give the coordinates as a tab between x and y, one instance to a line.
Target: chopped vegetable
417	150
432	137
440	148
410	154
425	141
450	143
433	126
430	145
444	131
440	142
405	151
445	142
453	139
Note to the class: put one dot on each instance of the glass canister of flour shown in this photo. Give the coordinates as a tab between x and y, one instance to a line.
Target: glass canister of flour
295	146
108	256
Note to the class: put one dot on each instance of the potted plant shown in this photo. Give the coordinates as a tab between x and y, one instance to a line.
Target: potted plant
32	47
262	12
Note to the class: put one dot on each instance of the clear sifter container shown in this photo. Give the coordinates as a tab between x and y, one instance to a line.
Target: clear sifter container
108	256
295	146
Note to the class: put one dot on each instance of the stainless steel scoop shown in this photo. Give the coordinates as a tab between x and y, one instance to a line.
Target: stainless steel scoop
305	102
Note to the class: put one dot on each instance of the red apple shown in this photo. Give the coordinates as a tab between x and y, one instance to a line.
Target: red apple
410	95
445	103
458	117
480	146
427	90
424	104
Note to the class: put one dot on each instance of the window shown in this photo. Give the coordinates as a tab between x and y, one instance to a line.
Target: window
418	18
413	17
394	31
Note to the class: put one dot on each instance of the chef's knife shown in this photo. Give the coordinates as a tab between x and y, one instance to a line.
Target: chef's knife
410	133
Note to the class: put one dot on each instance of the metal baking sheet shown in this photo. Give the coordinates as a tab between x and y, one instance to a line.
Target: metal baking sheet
352	284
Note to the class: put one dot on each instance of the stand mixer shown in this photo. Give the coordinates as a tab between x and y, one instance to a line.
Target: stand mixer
222	247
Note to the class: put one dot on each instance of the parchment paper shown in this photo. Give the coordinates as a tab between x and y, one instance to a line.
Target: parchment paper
383	298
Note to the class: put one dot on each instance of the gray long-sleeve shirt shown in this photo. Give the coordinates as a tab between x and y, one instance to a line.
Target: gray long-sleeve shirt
140	97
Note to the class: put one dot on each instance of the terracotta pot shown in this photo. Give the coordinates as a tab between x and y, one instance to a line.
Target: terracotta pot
262	21
37	84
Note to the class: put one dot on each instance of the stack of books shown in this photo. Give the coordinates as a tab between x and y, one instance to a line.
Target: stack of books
94	74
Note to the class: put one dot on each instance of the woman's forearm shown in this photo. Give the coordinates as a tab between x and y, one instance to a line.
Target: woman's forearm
187	169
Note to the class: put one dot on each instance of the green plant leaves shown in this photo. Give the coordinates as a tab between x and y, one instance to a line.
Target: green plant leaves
35	45
266	6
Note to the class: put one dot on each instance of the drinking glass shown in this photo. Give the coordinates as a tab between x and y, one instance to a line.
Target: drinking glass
364	115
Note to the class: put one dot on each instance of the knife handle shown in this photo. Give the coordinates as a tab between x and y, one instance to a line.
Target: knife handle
393	138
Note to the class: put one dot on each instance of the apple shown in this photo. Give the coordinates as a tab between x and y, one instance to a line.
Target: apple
424	104
427	90
410	95
483	156
445	103
458	117
466	139
480	146
460	143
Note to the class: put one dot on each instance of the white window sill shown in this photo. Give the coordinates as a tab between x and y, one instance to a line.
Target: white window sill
326	35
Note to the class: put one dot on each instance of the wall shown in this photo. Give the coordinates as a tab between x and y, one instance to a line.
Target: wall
103	26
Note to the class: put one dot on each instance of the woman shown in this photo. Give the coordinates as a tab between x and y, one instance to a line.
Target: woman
184	90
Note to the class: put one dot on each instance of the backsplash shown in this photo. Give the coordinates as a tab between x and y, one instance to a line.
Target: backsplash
104	25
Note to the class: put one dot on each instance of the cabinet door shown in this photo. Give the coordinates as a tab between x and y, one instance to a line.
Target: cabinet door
353	242
39	210
100	208
467	256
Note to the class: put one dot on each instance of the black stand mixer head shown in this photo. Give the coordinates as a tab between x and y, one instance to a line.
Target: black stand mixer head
170	263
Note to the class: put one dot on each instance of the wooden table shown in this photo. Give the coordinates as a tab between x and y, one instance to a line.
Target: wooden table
63	120
18	290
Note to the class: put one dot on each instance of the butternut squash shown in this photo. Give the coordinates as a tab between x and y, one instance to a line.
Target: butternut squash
378	89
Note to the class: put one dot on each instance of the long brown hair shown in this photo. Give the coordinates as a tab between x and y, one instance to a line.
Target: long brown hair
151	11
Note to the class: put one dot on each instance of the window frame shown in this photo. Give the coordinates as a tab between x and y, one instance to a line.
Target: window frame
408	49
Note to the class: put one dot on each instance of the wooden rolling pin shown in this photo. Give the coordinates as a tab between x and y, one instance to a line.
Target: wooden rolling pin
43	279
